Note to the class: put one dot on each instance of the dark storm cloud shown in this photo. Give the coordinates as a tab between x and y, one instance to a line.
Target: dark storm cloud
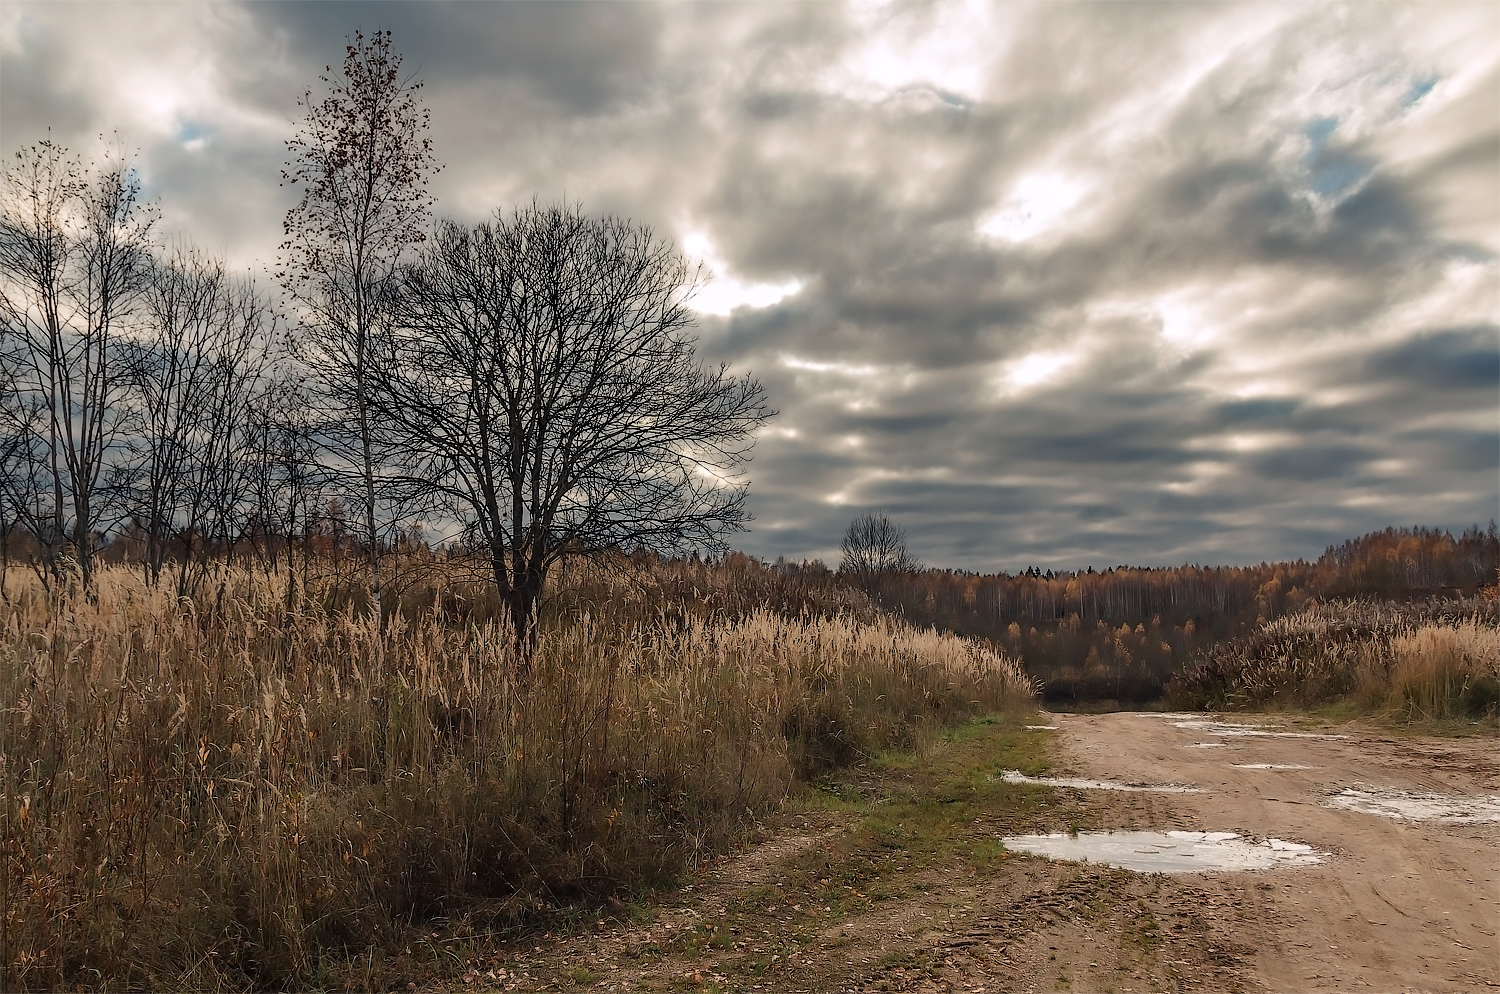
585	58
1457	450
1452	359
1060	284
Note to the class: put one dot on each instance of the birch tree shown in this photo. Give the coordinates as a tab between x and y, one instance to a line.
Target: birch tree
361	159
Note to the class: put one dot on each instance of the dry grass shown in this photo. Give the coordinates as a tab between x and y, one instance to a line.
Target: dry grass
227	794
1433	661
1437	671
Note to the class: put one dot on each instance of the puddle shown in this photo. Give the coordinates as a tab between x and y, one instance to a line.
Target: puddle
1042	728
1168	852
1015	776
1229	728
1207	745
1406	805
1271	766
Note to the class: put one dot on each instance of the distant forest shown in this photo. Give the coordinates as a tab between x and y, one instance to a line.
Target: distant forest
1119	634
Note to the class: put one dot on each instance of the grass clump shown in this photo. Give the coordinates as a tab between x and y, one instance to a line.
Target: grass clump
255	789
1431	662
1439	671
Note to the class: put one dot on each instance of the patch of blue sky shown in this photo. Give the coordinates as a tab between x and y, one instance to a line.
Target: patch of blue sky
1419	89
1333	178
188	132
1318	132
1330	174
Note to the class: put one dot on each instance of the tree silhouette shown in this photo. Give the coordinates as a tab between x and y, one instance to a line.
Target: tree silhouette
74	244
875	546
362	158
538	385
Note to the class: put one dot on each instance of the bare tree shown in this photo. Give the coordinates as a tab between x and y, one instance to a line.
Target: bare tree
875	546
362	158
286	481
196	370
20	416
36	249
171	372
538	385
73	246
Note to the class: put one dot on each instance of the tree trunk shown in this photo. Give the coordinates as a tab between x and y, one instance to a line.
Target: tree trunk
370	533
520	596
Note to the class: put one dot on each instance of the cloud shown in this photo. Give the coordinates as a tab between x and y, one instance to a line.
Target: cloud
1053	284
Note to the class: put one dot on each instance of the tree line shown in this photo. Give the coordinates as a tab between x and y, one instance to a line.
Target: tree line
527	385
138	381
1122	632
1393	563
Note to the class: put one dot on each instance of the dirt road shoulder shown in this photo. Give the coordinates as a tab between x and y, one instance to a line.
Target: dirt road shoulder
892	876
1403	903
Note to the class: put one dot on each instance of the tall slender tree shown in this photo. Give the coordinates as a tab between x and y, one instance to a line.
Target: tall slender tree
362	159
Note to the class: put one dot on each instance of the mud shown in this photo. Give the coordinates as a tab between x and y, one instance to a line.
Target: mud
1405	905
1272	766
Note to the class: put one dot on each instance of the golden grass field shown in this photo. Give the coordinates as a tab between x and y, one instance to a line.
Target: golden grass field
223	792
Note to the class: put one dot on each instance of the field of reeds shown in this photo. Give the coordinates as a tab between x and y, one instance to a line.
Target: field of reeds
259	787
1431	661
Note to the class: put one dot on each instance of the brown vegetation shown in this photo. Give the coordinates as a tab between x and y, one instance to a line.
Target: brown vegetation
1122	633
1431	660
222	792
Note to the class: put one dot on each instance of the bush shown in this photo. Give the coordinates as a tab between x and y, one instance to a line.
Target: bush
1438	671
1435	660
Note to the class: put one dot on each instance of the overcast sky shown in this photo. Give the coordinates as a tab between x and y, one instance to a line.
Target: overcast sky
1051	284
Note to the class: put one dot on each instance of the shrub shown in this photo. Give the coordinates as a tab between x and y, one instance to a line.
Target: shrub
1440	659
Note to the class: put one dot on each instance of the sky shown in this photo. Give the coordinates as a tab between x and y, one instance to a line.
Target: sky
1050	284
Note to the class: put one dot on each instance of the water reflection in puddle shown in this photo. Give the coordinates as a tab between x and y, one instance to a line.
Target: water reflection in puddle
1016	776
1042	728
1411	806
1229	728
1168	852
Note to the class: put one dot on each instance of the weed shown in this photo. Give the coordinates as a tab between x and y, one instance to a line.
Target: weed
584	975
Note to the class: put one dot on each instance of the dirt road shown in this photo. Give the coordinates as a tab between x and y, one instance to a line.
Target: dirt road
1402	904
890	877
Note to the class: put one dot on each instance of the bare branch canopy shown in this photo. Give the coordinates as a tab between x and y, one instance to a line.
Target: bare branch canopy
537	380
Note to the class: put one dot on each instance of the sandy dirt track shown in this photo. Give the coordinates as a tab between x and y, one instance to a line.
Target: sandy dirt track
1400	906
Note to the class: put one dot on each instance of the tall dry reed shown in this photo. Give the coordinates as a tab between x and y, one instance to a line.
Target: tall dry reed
230	793
1437	671
1433	660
